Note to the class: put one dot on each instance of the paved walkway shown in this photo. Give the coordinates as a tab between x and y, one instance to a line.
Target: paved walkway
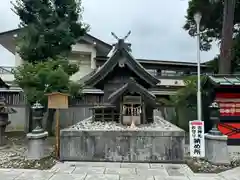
115	171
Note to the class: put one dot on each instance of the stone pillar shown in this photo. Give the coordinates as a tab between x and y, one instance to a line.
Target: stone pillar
216	149
36	139
3	124
2	133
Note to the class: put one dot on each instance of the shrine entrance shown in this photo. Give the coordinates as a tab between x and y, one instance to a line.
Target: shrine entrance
131	110
134	103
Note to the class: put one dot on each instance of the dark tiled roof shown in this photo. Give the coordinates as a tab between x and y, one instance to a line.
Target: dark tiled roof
132	85
227	80
121	51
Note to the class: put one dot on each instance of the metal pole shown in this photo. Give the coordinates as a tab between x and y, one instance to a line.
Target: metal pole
199	100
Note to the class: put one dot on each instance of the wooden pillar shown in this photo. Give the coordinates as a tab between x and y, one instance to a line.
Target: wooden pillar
93	114
102	115
144	113
57	129
112	111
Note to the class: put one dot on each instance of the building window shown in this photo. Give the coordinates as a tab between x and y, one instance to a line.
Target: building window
168	73
171	73
153	72
80	58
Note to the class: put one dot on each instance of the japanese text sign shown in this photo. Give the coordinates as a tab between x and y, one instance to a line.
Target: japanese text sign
196	137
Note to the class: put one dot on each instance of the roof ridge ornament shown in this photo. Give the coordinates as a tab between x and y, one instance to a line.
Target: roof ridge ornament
128	34
114	35
125	37
121	44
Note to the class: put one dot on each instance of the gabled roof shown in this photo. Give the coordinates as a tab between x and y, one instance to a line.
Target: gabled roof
121	51
225	80
133	86
7	40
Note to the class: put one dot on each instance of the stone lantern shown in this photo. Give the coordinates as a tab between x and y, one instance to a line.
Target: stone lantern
37	114
4	121
36	139
215	142
215	118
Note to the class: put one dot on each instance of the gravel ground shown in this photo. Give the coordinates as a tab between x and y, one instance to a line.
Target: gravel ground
13	155
199	165
202	166
159	124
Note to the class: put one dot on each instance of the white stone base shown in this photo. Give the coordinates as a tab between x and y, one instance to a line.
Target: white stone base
217	149
36	145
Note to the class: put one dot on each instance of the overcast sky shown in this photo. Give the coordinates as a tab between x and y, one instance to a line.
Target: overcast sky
156	27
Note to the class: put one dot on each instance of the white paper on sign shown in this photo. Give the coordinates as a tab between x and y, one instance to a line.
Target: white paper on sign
197	140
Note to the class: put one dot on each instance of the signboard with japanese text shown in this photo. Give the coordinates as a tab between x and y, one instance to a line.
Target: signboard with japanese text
229	108
196	137
229	103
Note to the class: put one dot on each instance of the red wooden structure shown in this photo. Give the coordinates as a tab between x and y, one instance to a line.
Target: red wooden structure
227	94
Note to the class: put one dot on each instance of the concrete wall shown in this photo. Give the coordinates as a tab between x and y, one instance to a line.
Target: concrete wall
19	120
68	117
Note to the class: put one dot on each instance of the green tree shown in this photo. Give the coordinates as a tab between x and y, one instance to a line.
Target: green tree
44	77
186	100
217	23
49	28
211	22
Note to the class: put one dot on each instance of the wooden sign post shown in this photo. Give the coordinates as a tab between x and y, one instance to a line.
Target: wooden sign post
57	100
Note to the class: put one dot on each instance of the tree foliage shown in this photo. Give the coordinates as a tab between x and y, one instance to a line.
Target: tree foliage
44	77
211	22
186	100
186	96
49	28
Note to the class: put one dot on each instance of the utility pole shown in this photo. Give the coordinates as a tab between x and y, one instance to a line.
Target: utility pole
227	37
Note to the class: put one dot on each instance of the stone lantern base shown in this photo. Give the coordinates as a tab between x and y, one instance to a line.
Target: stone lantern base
3	125
36	145
217	149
